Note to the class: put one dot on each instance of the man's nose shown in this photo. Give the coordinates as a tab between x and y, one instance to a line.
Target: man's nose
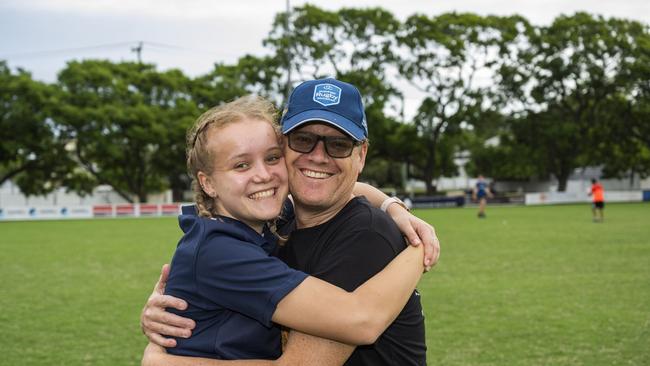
319	154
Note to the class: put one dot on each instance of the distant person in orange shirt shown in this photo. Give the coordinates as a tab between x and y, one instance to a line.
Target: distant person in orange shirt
598	196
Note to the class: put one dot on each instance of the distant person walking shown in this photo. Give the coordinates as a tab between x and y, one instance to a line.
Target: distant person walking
597	194
481	192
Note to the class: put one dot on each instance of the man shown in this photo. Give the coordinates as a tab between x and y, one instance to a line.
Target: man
335	236
598	196
481	192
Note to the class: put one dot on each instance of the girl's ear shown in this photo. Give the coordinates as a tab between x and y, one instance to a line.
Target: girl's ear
206	184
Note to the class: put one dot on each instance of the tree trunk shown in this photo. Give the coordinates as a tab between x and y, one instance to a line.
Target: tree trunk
177	194
178	185
123	195
431	165
562	181
429	173
428	178
142	197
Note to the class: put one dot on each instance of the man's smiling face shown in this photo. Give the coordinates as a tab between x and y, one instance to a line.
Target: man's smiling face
318	181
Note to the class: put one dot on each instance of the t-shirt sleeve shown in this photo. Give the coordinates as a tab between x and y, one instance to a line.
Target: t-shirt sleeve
354	258
240	276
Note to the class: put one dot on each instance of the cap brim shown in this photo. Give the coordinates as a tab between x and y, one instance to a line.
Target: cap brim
333	119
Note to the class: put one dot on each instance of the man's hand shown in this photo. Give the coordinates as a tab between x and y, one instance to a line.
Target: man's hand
417	231
156	322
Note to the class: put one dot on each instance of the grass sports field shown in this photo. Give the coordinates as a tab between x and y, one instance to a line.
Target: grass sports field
526	286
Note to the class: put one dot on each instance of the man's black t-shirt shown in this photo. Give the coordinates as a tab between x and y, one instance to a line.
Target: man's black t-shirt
346	251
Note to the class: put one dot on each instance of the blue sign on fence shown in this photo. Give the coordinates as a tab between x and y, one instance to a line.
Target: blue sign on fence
646	196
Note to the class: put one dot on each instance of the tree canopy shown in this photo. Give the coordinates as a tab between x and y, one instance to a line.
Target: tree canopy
555	98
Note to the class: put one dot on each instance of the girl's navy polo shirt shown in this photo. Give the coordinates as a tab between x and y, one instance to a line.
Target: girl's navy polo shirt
223	269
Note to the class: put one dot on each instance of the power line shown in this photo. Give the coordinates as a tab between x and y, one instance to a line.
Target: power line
170	46
63	50
138	48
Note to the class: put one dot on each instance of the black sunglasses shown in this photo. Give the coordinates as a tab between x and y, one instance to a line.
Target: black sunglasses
335	146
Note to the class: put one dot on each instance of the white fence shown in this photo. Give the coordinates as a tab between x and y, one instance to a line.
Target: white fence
549	198
88	211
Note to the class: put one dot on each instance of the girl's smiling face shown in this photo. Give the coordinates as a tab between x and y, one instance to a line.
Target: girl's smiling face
249	177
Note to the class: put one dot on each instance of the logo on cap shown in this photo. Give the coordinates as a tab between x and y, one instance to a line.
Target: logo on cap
327	94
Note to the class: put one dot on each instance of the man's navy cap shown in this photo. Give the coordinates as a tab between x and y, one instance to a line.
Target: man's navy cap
330	101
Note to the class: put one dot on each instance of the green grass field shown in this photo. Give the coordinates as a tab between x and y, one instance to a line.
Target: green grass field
526	286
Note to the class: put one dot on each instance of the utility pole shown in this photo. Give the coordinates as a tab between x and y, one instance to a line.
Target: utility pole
138	50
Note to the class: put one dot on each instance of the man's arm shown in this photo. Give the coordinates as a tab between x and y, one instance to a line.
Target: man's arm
155	355
155	321
301	350
304	349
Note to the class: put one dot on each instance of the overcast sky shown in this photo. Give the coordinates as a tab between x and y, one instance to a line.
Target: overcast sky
41	35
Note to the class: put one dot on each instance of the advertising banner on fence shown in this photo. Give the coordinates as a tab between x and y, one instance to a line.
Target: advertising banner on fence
77	212
45	212
549	198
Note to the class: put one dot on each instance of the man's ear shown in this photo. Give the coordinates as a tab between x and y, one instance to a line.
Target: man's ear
363	151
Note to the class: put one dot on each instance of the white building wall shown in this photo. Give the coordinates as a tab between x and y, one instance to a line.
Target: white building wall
645	184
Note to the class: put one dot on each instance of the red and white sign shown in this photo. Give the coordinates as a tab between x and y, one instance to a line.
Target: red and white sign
124	210
170	209
103	210
148	209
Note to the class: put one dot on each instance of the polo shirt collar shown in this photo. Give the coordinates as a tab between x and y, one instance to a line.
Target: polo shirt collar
266	240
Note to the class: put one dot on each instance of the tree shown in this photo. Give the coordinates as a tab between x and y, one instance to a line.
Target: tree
32	153
175	112
495	150
569	72
624	148
321	43
443	58
117	115
625	133
250	75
